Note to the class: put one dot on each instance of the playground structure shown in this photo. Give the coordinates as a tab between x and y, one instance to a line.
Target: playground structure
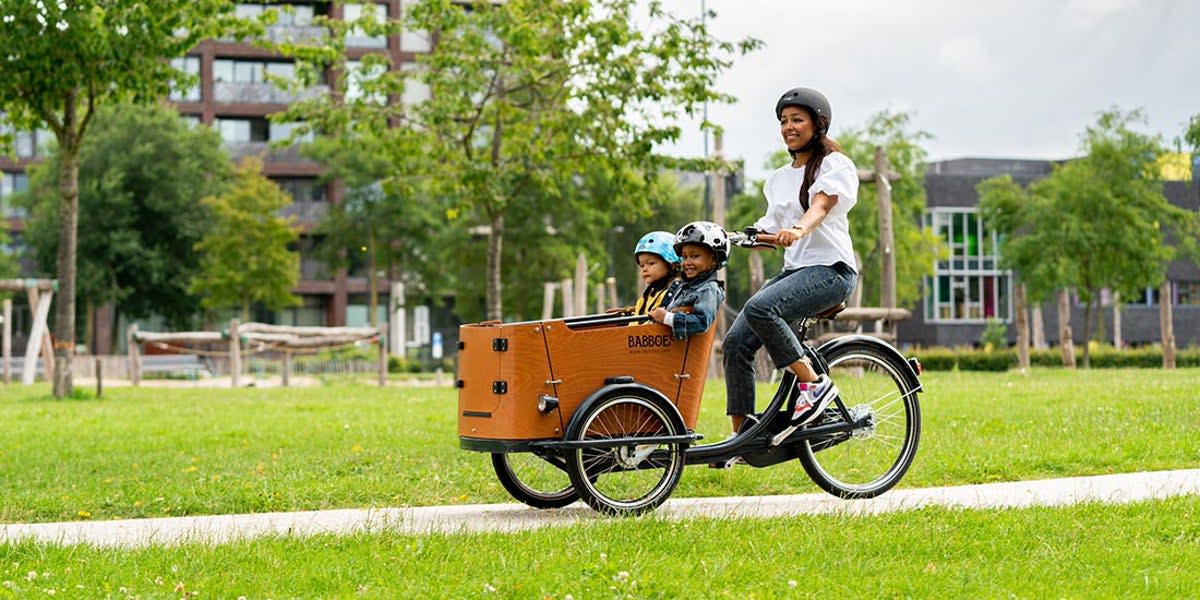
40	293
245	339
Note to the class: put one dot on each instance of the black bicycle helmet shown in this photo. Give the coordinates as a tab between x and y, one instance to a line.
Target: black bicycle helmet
802	96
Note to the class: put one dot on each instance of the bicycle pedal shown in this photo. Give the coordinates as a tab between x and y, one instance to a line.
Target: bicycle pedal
783	435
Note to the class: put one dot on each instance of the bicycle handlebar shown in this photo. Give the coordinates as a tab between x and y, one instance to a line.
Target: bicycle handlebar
752	238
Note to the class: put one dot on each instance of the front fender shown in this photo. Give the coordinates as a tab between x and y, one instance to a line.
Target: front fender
611	389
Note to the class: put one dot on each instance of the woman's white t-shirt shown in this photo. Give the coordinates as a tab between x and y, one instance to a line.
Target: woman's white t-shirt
830	242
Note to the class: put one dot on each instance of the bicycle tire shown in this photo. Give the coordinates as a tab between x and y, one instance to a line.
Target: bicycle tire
869	461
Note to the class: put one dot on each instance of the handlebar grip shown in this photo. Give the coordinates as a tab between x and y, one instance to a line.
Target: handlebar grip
767	238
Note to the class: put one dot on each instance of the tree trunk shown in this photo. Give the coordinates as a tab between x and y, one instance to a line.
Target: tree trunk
1166	324
1022	328
1087	330
1118	341
372	280
495	309
1065	340
762	361
1038	324
68	227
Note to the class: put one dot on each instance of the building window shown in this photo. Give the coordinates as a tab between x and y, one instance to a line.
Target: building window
12	183
968	286
191	66
236	131
358	74
251	71
311	313
1187	293
302	189
356	37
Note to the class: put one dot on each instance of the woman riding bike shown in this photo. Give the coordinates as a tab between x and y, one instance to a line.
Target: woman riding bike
807	204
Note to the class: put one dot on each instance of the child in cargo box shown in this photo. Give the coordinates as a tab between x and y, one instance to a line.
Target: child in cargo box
703	248
658	266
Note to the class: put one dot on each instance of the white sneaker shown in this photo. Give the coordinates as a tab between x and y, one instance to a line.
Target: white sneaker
815	396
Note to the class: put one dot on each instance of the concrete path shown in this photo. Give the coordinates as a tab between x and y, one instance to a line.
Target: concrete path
514	517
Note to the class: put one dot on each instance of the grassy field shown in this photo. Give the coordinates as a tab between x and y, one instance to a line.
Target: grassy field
158	452
1088	551
152	452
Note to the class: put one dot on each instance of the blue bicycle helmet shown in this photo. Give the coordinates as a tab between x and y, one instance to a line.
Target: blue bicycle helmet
658	242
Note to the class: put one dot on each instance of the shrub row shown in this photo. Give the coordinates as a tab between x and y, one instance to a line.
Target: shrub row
968	359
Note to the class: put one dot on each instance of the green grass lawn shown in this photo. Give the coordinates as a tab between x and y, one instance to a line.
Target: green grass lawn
1143	550
153	452
157	452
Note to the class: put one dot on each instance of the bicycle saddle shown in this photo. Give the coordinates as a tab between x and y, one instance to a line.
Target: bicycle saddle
831	312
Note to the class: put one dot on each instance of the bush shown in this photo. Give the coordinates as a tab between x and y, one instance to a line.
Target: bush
1102	357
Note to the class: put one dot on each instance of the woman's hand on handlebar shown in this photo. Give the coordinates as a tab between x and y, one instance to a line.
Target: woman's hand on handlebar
787	237
750	238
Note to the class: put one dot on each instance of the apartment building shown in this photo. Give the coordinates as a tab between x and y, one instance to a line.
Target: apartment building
235	97
971	287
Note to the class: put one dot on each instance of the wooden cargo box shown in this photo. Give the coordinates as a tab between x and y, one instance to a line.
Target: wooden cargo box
504	369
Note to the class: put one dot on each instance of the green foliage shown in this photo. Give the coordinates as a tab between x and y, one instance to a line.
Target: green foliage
142	174
917	251
246	256
527	98
8	262
63	61
995	335
1191	134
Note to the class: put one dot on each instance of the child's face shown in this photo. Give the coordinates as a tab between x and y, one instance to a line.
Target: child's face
696	259
652	267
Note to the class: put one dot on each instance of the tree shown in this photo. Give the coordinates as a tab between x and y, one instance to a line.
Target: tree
1013	213
917	250
142	173
63	60
246	258
1098	222
378	226
526	96
8	262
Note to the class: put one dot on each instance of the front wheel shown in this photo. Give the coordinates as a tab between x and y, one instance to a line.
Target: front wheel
637	474
540	482
871	460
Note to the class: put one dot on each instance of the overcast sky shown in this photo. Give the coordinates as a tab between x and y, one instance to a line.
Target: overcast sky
1019	79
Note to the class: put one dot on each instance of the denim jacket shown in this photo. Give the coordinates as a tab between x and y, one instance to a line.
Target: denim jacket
704	295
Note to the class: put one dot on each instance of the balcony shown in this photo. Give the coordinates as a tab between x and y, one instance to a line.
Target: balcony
289	155
306	212
261	93
295	33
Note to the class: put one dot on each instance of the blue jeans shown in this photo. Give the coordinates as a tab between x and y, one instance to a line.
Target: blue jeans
766	320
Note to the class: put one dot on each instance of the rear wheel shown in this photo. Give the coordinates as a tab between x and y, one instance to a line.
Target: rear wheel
870	460
540	482
634	476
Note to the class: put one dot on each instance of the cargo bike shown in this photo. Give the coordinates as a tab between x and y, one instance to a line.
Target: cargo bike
603	408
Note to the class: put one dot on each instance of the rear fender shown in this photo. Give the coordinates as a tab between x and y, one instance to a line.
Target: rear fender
906	369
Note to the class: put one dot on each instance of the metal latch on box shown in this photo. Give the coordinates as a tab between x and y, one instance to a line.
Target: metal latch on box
500	344
499	387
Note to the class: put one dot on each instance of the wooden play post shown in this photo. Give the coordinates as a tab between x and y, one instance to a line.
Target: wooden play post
235	354
1167	324
133	350
548	300
887	246
41	333
6	341
285	374
383	366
